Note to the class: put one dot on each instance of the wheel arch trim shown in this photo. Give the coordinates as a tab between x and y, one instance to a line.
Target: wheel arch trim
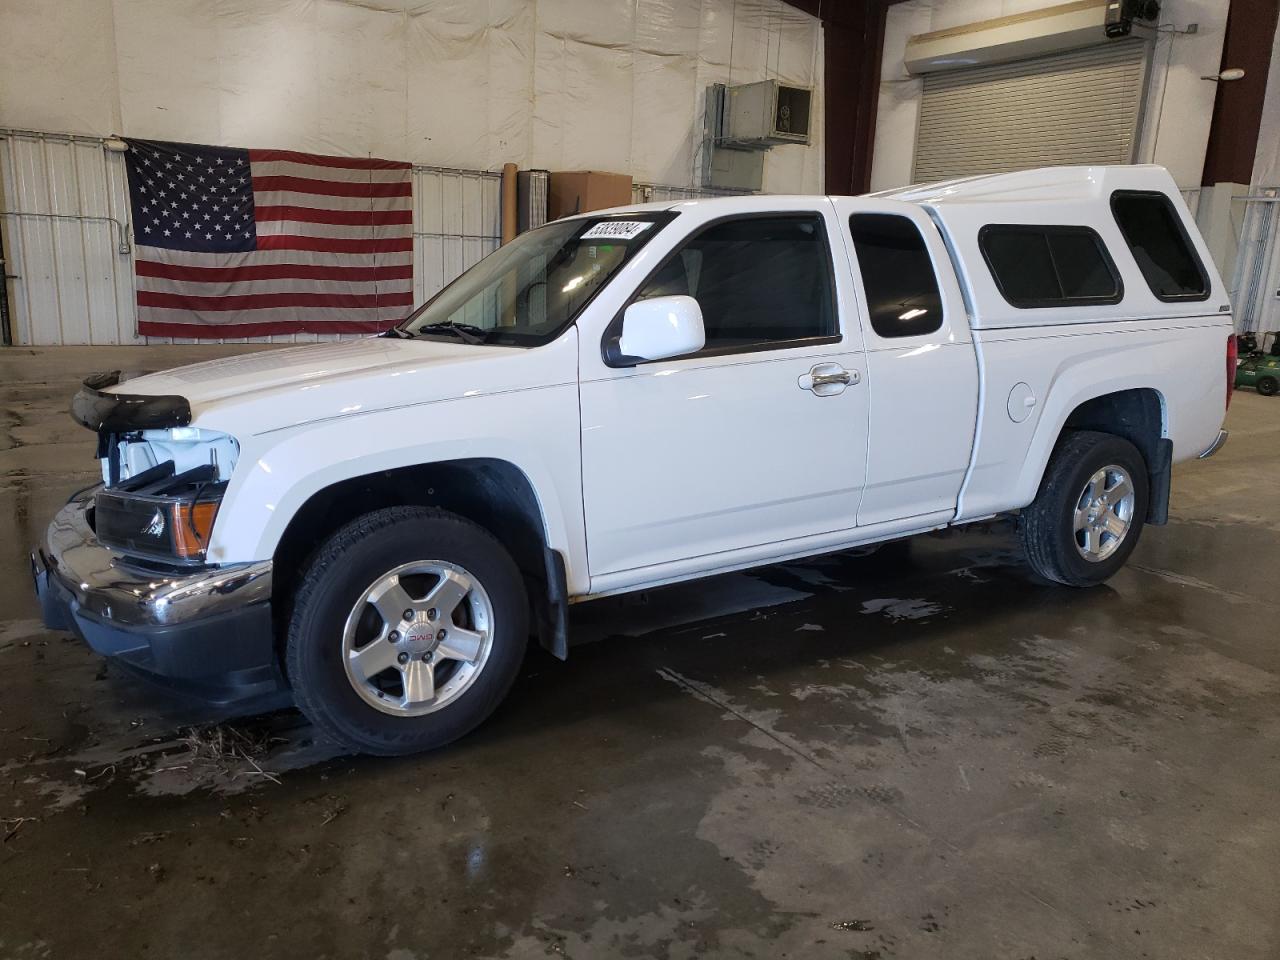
1064	404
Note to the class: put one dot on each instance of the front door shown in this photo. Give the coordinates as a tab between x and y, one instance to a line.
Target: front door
758	439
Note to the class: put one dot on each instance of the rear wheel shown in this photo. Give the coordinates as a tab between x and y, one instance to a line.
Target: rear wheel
1268	386
1088	515
409	629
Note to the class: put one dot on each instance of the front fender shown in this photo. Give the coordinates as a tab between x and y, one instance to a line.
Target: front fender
535	431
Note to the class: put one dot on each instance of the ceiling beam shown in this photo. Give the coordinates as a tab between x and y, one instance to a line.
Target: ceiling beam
853	40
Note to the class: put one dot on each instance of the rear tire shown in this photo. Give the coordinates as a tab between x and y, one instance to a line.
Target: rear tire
1268	386
1088	515
408	630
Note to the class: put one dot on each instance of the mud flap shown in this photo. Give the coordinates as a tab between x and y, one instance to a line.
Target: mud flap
1161	483
553	611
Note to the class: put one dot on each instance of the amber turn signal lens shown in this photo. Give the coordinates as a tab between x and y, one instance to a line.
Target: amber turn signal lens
191	527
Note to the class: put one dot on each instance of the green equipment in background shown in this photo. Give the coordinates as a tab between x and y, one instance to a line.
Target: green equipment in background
1261	372
1258	367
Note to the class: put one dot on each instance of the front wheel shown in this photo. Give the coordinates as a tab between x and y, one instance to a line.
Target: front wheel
408	630
1268	386
1088	515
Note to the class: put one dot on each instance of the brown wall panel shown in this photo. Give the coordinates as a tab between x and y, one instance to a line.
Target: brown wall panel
1237	111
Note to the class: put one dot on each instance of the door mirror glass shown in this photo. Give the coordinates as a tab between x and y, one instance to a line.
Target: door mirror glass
662	327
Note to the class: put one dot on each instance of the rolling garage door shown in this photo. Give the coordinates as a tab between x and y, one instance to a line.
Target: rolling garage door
1082	106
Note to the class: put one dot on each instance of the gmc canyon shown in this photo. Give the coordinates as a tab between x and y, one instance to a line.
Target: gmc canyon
635	397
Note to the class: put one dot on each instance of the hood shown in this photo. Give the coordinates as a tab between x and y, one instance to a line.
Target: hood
213	380
278	388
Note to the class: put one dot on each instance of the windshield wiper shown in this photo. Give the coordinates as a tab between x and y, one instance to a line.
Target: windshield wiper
466	332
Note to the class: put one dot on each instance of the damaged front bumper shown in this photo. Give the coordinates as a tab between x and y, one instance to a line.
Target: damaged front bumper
206	632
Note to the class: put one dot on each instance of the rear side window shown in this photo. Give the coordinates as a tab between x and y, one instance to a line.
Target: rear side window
1155	235
761	282
1049	266
897	274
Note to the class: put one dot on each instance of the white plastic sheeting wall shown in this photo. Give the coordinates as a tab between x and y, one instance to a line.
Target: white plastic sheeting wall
554	84
74	285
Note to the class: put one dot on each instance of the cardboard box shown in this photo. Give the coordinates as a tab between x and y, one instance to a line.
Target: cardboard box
577	191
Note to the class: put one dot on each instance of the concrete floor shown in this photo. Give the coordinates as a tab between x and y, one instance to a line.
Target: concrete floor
919	754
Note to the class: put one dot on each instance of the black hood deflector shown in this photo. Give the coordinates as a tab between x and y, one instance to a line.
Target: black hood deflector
124	412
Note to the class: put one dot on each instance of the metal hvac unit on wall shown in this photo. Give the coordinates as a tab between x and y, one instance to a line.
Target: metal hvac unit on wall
743	122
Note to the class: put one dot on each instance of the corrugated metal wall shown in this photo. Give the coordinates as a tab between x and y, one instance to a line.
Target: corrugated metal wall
1255	300
66	241
457	221
69	248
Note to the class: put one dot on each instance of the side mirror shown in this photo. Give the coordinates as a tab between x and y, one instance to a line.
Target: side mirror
662	327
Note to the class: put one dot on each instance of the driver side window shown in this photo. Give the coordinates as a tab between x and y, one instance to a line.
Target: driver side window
762	282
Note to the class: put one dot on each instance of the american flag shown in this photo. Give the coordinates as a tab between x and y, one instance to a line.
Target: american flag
249	243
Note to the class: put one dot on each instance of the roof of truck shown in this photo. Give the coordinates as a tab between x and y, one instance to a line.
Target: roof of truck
744	201
1041	184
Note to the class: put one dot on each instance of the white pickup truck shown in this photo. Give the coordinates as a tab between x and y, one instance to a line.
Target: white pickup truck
634	397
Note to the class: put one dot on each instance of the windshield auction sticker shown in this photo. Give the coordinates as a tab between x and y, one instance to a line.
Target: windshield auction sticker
617	230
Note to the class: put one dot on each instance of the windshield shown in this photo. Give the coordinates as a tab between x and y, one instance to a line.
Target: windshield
525	293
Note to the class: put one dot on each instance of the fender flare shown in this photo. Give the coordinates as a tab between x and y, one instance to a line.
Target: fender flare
1049	430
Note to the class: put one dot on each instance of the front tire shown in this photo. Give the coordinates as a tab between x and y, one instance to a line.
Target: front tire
408	630
1089	513
1267	386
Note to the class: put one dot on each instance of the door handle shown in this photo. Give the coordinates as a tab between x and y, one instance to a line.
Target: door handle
827	379
822	379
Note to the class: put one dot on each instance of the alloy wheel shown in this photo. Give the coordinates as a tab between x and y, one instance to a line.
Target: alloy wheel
417	638
1104	513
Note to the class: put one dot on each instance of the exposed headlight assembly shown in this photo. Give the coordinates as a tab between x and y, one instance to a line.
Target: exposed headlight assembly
129	455
160	514
164	478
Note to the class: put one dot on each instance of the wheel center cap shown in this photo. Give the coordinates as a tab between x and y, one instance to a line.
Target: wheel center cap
420	634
